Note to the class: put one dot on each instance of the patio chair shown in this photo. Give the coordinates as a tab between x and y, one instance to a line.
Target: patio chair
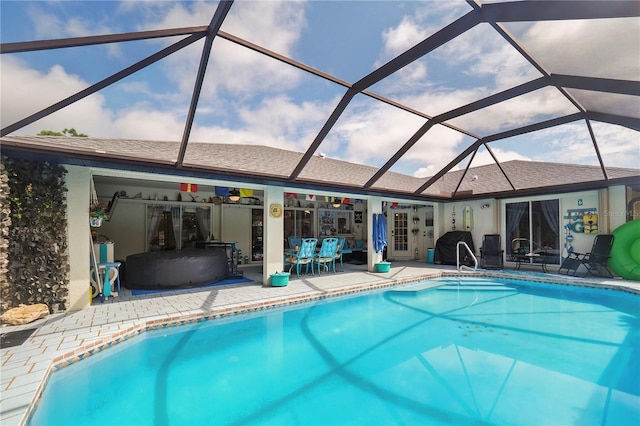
294	241
327	254
491	253
303	256
595	262
342	242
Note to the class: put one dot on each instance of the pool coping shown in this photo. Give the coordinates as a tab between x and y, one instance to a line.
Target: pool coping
82	352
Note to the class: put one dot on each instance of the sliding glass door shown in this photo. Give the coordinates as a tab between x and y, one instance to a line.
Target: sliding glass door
533	228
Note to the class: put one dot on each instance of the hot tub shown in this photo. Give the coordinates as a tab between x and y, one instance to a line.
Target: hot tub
175	269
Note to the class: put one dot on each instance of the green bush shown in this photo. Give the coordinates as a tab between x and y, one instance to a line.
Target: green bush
37	255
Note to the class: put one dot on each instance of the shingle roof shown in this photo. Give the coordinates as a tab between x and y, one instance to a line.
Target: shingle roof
273	165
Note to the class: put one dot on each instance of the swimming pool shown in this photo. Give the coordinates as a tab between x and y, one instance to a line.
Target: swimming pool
447	351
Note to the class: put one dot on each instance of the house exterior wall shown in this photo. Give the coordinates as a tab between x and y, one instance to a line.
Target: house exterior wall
125	227
485	219
128	226
615	210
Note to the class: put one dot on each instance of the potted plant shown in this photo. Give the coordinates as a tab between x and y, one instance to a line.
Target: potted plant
97	213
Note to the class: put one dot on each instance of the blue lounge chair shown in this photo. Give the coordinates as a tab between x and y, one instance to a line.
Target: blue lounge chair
303	256
327	254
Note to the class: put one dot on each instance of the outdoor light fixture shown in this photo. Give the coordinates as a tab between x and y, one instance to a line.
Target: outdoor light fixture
336	203
234	195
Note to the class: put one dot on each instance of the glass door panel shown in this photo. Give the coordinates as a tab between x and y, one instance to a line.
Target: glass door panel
400	238
298	223
196	225
533	231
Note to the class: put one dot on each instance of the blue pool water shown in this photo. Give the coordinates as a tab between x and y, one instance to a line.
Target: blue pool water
468	351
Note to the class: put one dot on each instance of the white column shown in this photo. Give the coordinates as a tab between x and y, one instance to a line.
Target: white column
613	208
273	233
374	206
79	236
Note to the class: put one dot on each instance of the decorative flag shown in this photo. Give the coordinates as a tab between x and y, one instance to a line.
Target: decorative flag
188	187
290	195
246	192
310	197
222	191
345	201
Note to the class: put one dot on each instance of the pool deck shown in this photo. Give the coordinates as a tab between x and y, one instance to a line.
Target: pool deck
61	339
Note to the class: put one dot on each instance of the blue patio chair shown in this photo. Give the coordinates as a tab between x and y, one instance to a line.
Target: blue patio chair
342	242
304	255
294	241
327	254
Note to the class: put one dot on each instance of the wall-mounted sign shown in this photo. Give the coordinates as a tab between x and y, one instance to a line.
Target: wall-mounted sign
275	210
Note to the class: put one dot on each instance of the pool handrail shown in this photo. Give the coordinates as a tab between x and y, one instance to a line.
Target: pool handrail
473	256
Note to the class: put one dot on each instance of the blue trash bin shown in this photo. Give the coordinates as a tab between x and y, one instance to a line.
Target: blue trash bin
430	255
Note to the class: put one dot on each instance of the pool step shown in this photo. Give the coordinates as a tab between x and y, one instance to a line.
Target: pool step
414	288
470	285
476	287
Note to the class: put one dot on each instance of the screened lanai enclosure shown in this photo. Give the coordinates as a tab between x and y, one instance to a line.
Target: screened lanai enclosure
411	88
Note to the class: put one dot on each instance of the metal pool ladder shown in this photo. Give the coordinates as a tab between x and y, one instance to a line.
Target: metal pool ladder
458	265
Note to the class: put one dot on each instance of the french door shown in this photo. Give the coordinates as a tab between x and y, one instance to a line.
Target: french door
399	247
533	228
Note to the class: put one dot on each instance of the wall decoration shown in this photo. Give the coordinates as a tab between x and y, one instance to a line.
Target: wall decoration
357	217
189	187
467	218
578	221
453	219
275	210
590	221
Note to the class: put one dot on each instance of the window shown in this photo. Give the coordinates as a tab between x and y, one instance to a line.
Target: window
196	225
335	222
163	227
299	223
174	227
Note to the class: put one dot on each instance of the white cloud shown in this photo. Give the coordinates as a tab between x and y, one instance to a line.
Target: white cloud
50	25
532	107
276	122
148	124
232	68
404	36
26	91
571	143
608	48
285	123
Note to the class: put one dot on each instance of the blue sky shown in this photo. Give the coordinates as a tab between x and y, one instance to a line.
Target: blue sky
250	99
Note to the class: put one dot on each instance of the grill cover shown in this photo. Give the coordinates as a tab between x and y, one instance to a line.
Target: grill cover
445	253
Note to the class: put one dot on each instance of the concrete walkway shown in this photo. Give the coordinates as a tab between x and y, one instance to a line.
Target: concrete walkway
61	339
